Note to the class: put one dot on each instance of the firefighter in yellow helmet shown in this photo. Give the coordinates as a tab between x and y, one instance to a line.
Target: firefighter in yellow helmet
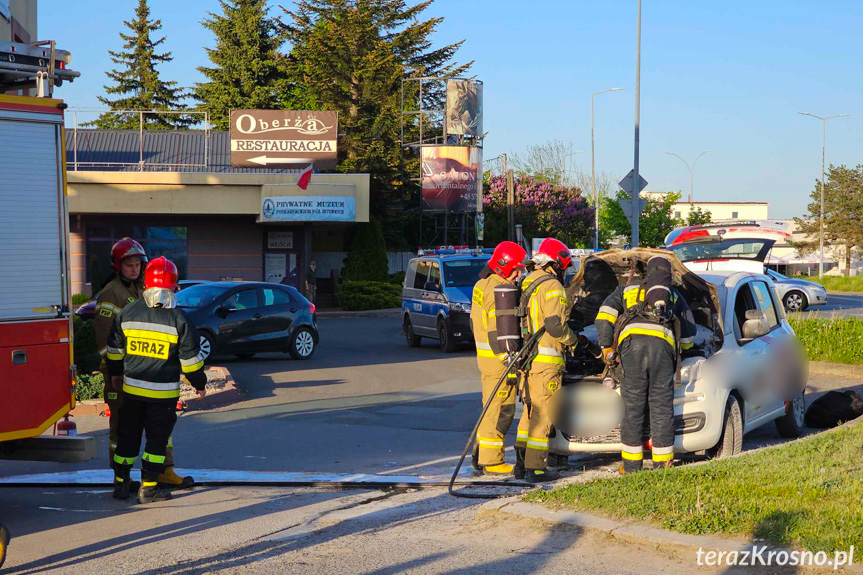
503	267
127	260
545	299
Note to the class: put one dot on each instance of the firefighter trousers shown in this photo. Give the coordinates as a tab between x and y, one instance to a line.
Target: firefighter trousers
648	379
114	399
498	419
535	423
157	419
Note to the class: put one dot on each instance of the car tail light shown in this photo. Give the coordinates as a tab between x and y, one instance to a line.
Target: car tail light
312	308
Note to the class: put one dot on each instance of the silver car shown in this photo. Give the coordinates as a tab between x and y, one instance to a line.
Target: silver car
797	294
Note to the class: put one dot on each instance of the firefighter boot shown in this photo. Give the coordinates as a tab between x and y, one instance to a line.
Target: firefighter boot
123	487
499	469
519	463
169	479
150	492
474	458
540	475
4	544
630	467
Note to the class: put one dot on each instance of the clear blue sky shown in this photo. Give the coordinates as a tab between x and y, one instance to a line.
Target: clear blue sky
727	76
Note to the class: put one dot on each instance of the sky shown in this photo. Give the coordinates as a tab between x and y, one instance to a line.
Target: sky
723	76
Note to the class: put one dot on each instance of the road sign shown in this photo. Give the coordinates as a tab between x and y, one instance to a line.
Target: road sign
280	138
626	183
626	204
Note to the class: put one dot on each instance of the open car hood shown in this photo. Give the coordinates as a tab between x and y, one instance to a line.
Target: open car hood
599	274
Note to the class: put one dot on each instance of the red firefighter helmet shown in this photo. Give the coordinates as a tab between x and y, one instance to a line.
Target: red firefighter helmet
557	251
126	248
160	273
507	256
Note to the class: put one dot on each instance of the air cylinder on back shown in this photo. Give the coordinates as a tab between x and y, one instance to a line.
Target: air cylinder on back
506	299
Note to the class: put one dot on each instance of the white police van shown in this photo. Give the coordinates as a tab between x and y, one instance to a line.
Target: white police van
436	295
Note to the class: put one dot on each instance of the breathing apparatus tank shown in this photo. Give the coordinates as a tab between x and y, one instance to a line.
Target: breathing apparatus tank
657	286
507	297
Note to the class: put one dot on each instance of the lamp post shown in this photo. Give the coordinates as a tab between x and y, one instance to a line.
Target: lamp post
823	147
593	169
563	162
691	170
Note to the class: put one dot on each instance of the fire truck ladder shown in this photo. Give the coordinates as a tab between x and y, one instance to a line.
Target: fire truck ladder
39	65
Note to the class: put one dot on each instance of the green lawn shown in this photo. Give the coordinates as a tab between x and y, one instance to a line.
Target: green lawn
808	493
836	340
841	283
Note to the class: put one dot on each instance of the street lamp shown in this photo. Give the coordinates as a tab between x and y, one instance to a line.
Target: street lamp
823	147
563	162
691	170
593	169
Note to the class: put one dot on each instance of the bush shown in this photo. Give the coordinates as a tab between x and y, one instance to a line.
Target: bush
80	299
87	356
841	283
367	258
838	340
90	387
397	278
359	296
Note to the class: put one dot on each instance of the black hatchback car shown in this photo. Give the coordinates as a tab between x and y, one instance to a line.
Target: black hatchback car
244	318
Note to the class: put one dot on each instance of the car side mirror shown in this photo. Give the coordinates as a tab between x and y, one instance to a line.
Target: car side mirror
755	325
224	310
431	286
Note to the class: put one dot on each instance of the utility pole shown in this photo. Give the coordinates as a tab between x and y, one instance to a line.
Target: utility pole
510	204
823	148
691	171
635	190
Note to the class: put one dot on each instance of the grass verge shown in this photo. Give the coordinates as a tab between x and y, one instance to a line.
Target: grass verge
841	283
838	340
806	493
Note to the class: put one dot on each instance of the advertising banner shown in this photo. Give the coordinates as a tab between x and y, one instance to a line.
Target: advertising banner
308	209
451	178
464	108
281	138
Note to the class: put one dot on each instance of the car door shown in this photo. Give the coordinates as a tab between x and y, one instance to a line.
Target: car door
279	311
778	342
751	357
238	329
421	303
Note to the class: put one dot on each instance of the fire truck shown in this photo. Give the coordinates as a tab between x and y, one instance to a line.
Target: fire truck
37	372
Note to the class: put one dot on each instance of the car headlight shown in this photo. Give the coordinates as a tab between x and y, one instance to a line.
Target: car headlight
458	306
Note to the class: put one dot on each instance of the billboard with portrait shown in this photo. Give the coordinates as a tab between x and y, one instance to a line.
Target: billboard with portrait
464	108
451	178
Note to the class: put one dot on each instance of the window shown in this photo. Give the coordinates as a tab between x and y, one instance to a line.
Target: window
765	303
677	215
410	275
463	273
422	274
434	274
276	297
734	215
170	242
743	303
243	299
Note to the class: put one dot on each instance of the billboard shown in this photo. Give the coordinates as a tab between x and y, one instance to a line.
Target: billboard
281	138
451	178
464	108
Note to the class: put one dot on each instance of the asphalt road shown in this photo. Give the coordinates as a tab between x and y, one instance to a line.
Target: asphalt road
365	403
838	305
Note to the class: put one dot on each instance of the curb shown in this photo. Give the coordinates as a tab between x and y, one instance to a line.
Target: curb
392	312
840	369
89	407
841	293
633	532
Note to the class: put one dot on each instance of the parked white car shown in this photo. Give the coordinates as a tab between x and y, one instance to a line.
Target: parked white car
750	373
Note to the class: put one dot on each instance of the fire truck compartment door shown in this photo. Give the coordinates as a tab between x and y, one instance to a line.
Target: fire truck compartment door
32	243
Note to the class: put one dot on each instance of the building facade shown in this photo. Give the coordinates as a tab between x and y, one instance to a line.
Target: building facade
18	21
738	211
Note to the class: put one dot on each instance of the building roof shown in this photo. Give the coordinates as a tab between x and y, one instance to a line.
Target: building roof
161	150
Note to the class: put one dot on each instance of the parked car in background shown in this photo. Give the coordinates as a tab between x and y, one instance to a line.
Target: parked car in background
797	294
88	310
436	295
245	318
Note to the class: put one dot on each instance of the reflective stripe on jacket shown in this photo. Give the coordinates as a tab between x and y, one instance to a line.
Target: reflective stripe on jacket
625	298
547	308
483	319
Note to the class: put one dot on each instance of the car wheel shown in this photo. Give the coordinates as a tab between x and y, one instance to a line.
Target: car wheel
731	440
245	356
791	424
795	301
302	344
207	346
447	344
413	339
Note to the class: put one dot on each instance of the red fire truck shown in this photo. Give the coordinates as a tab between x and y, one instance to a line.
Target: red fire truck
37	373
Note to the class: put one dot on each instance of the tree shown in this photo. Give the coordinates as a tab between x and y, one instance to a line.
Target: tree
697	217
843	212
367	258
248	70
544	161
351	56
138	83
542	208
655	222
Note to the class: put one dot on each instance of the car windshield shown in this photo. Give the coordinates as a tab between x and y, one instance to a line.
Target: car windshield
463	273
199	295
743	249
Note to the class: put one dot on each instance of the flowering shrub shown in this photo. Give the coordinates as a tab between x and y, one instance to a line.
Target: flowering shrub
542	208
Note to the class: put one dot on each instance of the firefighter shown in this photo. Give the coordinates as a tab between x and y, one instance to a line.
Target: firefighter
544	299
152	342
639	327
4	543
505	264
127	259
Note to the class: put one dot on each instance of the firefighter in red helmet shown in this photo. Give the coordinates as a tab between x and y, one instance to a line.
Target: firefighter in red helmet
505	264
151	344
544	299
126	286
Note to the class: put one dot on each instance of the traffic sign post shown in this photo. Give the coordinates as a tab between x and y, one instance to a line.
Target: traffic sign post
634	204
626	204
